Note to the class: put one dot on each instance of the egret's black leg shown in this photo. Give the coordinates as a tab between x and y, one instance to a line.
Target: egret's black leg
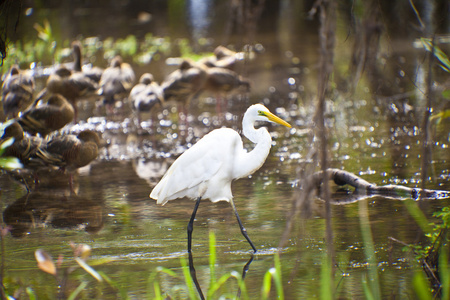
247	266
194	276
243	230
244	272
190	228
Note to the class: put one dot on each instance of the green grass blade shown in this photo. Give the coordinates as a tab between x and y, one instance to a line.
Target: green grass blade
418	215
241	284
438	53
30	293
216	285
366	287
267	284
78	290
326	287
369	250
114	284
157	290
88	269
278	277
421	286
212	258
444	273
188	279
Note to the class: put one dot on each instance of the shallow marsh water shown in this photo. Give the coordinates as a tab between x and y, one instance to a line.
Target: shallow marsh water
112	213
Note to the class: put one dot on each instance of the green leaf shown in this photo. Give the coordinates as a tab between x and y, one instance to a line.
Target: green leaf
278	280
30	293
187	278
212	257
10	163
438	53
418	215
441	115
267	284
421	286
444	272
100	261
78	290
217	284
446	94
325	279
367	291
166	271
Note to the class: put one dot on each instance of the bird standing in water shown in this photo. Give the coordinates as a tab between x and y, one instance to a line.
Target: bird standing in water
145	95
206	170
72	85
116	81
24	147
94	73
222	58
183	84
71	152
17	92
47	117
223	81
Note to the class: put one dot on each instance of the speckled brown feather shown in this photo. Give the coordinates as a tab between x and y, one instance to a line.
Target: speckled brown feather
51	116
71	152
17	92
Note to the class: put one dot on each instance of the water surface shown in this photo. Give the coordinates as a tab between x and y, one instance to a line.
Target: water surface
112	212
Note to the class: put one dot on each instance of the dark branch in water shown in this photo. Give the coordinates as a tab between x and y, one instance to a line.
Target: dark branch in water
364	188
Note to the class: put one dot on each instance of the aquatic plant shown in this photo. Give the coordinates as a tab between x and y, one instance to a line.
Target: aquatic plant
45	51
7	162
81	253
431	256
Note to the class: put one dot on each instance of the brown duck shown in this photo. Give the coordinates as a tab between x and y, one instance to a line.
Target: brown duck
24	147
70	152
185	82
145	95
116	81
48	117
222	58
17	92
94	73
223	81
72	85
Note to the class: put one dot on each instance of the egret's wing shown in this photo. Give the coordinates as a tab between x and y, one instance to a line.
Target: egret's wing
189	174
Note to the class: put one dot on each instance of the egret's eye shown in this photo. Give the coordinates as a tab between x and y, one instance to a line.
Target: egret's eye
261	113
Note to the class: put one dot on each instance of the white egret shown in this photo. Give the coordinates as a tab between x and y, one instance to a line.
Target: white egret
207	169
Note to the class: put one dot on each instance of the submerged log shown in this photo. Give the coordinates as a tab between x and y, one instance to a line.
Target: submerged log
365	188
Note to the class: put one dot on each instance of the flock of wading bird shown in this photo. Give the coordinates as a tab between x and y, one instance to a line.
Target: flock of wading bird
204	171
34	118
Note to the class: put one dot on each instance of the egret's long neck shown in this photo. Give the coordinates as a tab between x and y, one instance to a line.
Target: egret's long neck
253	160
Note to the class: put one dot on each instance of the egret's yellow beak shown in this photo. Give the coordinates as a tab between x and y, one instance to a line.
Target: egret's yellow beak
276	119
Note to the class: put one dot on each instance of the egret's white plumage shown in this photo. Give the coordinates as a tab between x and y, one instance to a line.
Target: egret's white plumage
207	169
